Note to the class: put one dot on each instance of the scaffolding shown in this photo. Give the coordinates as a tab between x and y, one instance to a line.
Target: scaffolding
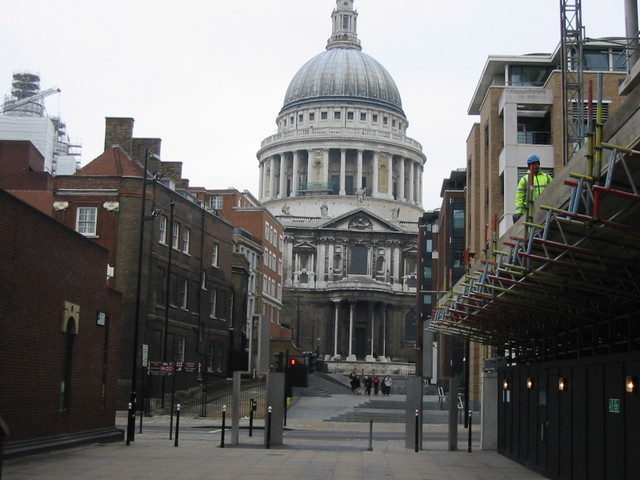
569	287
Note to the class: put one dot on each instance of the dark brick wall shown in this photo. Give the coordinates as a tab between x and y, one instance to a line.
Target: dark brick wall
43	264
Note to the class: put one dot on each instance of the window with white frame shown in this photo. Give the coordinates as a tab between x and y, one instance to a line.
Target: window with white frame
186	235
214	254
215	202
184	293
87	221
163	230
213	302
182	342
175	236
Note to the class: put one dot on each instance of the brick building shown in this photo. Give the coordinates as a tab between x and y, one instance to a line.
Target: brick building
60	330
259	237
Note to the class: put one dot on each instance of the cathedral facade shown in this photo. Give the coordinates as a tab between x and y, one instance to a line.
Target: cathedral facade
345	181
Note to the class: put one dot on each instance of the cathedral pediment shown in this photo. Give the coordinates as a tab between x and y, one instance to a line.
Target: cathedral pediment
360	220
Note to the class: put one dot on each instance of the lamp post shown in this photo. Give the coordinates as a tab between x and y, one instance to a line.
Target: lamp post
167	292
136	319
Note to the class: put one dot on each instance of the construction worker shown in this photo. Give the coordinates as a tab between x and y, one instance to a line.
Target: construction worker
530	186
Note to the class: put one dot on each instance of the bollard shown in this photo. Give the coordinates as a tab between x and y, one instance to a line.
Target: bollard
177	425
251	410
417	436
129	424
268	443
224	415
370	435
469	445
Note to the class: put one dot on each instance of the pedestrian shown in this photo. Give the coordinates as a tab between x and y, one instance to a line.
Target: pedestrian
367	385
376	384
387	382
354	381
530	186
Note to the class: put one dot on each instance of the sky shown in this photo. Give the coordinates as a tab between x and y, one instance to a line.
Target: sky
208	77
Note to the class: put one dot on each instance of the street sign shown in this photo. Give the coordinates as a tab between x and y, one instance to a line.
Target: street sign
144	354
614	405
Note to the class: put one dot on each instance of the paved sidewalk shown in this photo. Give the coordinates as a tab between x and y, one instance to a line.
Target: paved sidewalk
199	456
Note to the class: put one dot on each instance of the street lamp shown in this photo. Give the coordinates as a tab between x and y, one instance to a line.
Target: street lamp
131	423
167	294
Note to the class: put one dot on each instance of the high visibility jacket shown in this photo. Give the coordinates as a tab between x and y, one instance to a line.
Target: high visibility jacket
540	182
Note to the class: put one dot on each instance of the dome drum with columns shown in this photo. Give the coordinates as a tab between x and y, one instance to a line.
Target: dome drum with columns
345	180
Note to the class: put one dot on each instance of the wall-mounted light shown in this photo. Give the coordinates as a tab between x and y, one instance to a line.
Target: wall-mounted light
505	384
529	383
562	384
630	384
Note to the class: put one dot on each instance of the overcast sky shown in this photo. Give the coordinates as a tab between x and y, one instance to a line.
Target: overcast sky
208	77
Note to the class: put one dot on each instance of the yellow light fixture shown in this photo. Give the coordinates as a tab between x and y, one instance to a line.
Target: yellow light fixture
630	384
529	383
505	384
562	384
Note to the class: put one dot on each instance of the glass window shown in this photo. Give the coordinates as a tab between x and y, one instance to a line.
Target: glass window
426	274
87	220
428	245
182	342
214	254
363	117
596	61
359	260
163	230
349	115
458	219
375	118
323	115
175	236
312	117
186	235
345	22
528	75
213	303
300	117
215	202
184	293
336	115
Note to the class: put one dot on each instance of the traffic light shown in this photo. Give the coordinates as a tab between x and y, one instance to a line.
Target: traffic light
313	362
277	362
293	362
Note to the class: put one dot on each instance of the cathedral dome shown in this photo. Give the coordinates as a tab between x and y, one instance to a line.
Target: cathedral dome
344	74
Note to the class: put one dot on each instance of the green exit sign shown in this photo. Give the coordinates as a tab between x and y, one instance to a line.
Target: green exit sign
614	405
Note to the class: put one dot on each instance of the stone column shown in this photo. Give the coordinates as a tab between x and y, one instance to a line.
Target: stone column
421	171
371	309
352	307
359	170
385	309
412	180
283	176
343	170
401	181
261	186
390	179
295	174
325	167
309	166
272	178
322	249
374	187
336	308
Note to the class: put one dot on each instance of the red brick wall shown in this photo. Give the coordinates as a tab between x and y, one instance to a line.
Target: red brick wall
42	265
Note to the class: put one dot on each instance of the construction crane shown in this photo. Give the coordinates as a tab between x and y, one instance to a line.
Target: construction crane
10	105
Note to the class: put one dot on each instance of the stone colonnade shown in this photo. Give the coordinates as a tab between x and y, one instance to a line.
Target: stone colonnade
377	328
286	174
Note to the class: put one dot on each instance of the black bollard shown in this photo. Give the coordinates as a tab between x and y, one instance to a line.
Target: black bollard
370	435
417	435
252	402
224	416
129	424
469	445
268	445
177	425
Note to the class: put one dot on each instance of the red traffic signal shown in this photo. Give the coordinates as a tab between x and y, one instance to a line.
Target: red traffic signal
293	362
